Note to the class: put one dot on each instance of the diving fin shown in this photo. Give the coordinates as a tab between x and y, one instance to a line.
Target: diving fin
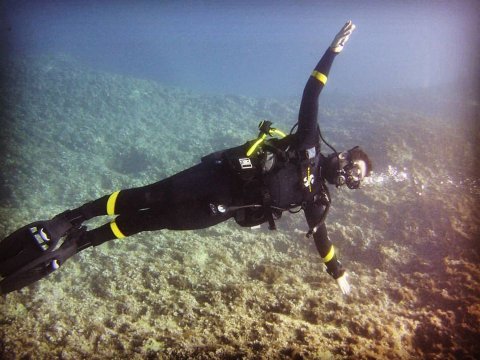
36	250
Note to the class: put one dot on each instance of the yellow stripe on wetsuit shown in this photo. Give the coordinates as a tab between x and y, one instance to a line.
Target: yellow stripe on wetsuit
116	231
111	203
320	77
330	255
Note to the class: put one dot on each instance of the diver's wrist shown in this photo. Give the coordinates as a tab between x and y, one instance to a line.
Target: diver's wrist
335	268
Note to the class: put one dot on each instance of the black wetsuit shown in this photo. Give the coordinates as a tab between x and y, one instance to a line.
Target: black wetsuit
184	201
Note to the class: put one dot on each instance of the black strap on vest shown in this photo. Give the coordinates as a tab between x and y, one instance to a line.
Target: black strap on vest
267	203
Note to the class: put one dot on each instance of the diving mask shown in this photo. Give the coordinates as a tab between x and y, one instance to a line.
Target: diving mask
350	172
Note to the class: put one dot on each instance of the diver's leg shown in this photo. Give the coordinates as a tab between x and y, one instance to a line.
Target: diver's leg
193	215
153	195
123	226
180	202
131	200
202	181
187	200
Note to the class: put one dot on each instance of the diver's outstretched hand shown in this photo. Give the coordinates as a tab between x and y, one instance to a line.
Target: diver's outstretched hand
342	37
343	284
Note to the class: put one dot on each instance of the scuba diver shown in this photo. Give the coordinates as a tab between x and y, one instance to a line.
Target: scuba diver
253	183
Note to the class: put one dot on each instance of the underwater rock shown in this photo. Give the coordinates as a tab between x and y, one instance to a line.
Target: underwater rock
130	161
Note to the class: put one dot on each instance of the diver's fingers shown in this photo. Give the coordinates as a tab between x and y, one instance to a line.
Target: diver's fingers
343	284
347	29
342	37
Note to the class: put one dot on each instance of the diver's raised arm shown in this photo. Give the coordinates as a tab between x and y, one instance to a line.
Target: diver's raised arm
307	134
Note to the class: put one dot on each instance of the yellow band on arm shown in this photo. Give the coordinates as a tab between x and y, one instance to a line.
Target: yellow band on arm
320	77
111	203
116	231
329	256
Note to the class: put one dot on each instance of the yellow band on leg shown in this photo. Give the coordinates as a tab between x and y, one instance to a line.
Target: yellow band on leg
330	255
111	203
116	231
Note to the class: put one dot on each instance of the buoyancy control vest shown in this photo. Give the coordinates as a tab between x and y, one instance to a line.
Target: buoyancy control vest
272	175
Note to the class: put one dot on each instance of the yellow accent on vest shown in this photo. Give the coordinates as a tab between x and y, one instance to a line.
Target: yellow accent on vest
111	203
116	231
309	179
255	145
330	255
319	76
262	138
279	133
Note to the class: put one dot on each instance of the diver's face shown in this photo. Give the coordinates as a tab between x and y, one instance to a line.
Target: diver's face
352	173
